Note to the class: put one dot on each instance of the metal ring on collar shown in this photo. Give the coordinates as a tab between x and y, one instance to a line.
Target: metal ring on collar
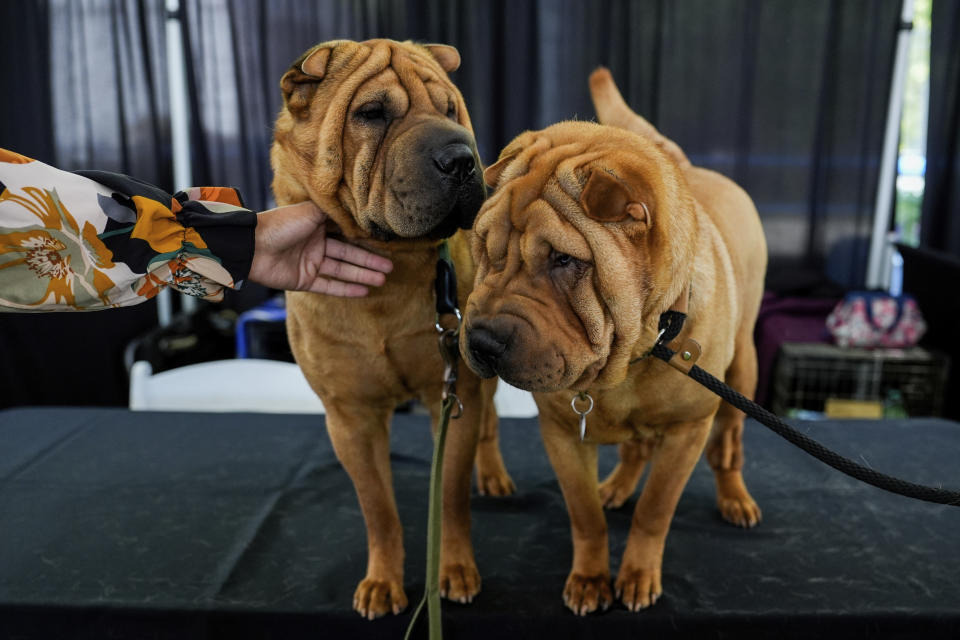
579	396
459	406
437	321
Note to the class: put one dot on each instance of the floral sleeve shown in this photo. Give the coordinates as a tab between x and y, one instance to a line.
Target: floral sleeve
93	240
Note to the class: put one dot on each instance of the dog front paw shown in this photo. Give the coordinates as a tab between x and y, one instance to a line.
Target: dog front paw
459	582
585	594
495	483
742	512
374	598
734	501
638	588
492	476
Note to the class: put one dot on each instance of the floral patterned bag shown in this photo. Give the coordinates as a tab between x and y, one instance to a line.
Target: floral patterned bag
876	319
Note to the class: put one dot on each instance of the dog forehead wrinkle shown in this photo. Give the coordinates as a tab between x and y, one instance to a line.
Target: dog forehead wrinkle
566	205
411	72
543	229
521	165
438	84
559	235
514	254
332	127
531	213
544	159
572	172
345	58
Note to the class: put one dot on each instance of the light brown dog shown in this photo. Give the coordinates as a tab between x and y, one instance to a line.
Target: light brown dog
592	233
379	138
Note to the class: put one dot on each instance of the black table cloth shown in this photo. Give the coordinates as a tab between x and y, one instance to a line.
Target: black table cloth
116	524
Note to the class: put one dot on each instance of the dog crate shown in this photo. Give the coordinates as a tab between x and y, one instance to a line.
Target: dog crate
907	382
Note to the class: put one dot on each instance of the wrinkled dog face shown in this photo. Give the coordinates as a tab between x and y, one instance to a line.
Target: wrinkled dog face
379	128
571	257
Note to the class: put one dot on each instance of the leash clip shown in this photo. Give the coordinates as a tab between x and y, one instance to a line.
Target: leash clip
455	312
450	352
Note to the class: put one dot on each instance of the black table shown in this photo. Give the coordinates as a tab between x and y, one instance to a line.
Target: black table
173	525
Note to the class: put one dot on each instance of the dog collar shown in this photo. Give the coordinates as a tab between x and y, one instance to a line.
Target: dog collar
671	322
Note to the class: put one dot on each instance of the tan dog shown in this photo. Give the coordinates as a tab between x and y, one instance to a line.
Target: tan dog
592	233
379	138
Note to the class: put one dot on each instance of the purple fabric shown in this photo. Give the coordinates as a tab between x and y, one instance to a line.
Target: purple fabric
786	319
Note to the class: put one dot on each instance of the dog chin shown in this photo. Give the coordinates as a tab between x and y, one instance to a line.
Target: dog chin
482	370
533	384
378	232
447	227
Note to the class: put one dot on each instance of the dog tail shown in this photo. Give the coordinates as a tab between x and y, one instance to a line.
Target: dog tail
612	110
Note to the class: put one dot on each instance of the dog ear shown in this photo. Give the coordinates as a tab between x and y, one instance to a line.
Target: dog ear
607	199
315	62
300	81
447	56
492	173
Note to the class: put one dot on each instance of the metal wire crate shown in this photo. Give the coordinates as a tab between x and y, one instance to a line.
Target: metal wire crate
806	375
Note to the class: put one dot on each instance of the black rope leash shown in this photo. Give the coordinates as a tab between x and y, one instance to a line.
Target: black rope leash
814	448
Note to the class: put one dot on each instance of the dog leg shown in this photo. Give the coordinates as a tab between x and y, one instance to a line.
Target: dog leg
638	581
459	577
725	448
622	481
361	440
575	463
492	476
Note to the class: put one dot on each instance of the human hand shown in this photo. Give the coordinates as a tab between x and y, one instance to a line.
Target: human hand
292	252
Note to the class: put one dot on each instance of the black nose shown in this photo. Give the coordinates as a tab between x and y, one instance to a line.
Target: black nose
485	346
456	160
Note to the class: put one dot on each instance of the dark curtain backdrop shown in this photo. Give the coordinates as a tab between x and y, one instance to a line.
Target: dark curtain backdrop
940	224
787	98
25	115
84	87
109	87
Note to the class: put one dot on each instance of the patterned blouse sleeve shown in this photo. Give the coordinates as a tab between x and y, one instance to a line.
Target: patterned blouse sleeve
94	240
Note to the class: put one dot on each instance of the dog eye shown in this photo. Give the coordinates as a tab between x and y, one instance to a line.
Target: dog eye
451	110
561	260
371	111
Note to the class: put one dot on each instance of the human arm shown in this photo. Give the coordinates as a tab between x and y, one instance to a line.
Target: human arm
94	240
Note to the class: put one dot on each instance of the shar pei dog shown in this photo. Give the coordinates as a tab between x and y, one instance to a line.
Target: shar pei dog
377	135
592	233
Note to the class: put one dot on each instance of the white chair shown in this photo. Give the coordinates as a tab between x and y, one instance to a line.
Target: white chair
267	386
513	403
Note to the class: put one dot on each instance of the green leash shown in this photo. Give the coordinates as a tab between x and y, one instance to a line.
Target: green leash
431	594
446	291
